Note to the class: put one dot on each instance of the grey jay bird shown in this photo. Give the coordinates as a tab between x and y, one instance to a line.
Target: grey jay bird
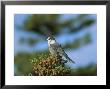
56	49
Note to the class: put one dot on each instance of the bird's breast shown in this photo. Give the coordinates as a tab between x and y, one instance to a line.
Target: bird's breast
52	51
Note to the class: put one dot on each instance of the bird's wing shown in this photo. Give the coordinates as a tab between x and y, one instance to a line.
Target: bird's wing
58	48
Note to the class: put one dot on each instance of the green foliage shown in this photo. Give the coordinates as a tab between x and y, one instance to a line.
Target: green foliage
87	39
30	41
42	23
23	67
50	66
89	70
28	63
22	62
45	24
78	42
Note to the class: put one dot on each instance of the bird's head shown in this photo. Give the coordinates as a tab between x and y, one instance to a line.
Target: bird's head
51	40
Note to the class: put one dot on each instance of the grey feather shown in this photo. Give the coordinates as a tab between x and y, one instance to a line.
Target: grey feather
56	48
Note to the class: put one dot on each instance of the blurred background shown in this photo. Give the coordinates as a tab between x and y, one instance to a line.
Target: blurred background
77	33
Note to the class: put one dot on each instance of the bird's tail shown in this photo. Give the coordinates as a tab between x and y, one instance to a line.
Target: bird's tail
71	60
